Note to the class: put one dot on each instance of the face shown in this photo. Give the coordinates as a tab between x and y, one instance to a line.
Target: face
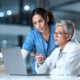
60	36
39	23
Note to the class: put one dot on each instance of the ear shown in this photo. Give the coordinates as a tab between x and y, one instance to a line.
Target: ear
47	19
69	36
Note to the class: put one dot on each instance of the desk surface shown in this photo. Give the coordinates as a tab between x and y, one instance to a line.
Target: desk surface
5	76
51	77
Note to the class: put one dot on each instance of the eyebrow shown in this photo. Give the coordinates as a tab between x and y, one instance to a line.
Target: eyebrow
38	20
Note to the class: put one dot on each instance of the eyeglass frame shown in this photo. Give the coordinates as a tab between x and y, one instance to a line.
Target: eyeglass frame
58	33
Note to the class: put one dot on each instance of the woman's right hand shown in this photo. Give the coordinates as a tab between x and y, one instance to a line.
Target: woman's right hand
39	58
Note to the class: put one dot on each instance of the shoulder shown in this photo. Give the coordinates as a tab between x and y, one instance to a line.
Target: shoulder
72	46
52	26
73	50
33	33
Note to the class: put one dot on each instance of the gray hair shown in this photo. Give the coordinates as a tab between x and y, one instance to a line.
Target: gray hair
68	25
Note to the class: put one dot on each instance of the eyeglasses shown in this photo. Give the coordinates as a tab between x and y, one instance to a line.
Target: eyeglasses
59	33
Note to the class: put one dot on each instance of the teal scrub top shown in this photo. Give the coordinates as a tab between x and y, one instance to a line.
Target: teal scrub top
35	40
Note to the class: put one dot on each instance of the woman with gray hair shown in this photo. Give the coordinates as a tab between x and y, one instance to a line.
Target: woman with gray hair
66	58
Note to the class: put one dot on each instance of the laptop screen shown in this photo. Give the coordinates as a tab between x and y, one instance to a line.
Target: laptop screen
13	60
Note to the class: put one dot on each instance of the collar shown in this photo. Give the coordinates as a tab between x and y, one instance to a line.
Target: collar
67	47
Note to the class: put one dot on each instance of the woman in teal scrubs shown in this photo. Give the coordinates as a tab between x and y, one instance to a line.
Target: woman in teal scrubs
41	35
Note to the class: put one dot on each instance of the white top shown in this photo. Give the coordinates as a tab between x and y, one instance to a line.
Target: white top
69	63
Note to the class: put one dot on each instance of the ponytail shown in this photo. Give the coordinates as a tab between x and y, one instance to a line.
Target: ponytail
51	17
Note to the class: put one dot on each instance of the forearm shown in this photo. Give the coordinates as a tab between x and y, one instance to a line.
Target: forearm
41	68
24	53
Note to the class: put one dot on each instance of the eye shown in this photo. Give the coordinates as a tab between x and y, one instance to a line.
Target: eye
34	23
40	20
59	32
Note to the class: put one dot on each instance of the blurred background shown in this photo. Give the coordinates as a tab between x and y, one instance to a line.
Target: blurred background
15	19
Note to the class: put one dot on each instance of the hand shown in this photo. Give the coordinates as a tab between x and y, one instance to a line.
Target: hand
39	58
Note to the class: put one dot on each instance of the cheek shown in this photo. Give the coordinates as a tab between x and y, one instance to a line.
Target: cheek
43	24
35	26
63	40
59	40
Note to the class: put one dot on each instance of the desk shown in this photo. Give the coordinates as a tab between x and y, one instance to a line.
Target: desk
5	76
2	69
52	77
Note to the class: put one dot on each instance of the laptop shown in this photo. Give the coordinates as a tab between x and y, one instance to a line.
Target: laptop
14	62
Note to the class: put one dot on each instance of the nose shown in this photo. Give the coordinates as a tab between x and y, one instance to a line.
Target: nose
55	35
38	25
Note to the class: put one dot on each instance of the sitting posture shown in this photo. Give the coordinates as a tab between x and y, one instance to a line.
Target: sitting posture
66	58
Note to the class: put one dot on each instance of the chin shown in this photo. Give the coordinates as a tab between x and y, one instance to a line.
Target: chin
41	31
56	43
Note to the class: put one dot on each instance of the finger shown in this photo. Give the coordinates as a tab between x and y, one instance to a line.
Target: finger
41	55
38	56
39	59
34	55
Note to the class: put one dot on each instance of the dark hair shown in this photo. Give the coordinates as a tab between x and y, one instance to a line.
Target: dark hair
44	13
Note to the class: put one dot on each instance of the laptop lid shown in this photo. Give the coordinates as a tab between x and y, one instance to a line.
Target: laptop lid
13	60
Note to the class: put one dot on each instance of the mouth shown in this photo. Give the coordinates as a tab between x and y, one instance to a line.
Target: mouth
56	40
40	29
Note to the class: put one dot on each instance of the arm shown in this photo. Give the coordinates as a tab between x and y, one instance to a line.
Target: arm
1	55
70	63
28	45
24	53
46	65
